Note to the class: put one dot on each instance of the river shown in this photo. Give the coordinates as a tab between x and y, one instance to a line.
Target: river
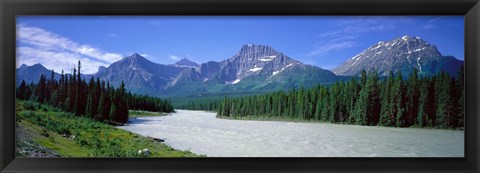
202	133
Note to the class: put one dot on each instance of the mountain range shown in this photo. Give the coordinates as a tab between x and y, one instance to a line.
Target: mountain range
259	68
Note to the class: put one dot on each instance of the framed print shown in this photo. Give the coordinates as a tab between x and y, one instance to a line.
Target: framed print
160	86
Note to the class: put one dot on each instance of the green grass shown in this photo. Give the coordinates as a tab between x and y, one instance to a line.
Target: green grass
74	136
65	147
138	113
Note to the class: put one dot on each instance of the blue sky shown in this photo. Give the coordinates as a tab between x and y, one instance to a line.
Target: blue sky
58	42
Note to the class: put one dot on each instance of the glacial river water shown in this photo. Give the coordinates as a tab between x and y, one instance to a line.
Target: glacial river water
202	133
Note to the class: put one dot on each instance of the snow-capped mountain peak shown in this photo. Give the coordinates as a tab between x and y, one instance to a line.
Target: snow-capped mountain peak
404	52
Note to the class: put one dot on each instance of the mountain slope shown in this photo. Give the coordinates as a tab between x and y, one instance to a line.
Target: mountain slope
32	73
401	54
139	74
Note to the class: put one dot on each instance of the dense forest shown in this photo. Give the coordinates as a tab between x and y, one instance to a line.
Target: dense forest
207	104
207	101
97	100
427	101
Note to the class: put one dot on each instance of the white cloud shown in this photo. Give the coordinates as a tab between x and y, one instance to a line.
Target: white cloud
332	46
37	45
175	58
438	22
346	34
86	50
112	35
436	19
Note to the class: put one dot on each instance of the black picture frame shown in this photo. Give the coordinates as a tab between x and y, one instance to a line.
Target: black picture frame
10	8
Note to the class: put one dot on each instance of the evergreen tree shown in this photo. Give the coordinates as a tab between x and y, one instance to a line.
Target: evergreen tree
454	105
387	105
412	101
100	111
73	91
373	105
443	102
399	102
461	100
22	91
112	113
423	101
354	89
88	109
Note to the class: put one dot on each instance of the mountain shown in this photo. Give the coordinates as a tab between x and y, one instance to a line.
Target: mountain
253	60
139	74
101	69
186	63
401	54
31	74
253	68
259	67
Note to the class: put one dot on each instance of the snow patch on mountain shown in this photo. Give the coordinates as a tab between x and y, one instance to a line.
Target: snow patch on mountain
236	81
267	58
276	72
255	69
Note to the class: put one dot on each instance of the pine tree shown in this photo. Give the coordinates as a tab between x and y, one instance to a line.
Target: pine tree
88	109
22	91
373	104
73	91
423	101
443	89
412	98
100	110
454	105
387	105
300	103
354	89
112	113
363	80
40	90
399	102
334	102
80	100
431	104
461	100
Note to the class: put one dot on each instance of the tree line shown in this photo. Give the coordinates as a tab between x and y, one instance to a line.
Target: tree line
433	101
97	100
207	104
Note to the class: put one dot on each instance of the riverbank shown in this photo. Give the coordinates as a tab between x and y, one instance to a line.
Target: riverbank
47	130
299	120
137	113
